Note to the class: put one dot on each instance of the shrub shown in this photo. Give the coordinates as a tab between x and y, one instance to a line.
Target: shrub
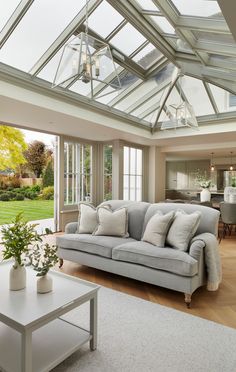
35	188
11	194
31	195
48	193
48	175
19	197
4	197
7	182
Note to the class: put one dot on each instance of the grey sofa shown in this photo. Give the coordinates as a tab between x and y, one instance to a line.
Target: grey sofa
166	267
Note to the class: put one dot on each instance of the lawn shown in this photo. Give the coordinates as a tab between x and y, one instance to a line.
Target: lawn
32	209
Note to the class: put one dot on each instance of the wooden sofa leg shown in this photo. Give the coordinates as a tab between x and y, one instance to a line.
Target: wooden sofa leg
60	262
187	299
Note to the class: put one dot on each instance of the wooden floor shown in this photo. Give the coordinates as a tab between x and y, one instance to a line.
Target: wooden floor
219	306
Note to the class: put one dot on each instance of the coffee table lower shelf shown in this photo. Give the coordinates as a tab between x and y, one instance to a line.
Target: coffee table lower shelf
51	344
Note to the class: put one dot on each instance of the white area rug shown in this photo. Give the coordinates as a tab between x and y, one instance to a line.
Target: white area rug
140	336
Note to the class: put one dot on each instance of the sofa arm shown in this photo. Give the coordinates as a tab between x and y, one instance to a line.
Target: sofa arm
196	249
71	228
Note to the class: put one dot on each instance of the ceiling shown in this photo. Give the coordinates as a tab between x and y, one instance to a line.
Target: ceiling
151	42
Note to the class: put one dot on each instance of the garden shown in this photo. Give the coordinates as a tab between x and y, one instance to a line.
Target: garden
26	177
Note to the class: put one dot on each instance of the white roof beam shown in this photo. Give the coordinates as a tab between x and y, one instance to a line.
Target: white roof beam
211	97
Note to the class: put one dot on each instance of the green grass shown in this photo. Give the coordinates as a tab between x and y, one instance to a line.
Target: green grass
32	210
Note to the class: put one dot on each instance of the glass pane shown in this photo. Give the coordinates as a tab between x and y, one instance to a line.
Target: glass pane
128	39
197	96
163	24
147	5
104	19
151	118
132	188
133	161
6	10
221	98
201	8
40	26
139	161
107	159
154	101
107	187
49	71
147	56
126	160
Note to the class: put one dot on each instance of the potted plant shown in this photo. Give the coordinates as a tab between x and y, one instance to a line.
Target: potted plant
16	239
205	184
42	257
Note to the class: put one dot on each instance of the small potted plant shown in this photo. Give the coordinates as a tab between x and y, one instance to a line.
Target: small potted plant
42	257
205	184
16	239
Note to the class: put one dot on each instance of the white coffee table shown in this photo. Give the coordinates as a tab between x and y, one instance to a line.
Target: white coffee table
33	337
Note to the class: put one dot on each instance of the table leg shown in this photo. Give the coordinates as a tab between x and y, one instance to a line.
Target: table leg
26	352
93	322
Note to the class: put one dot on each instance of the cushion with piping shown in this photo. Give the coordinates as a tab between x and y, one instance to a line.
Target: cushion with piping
182	230
87	221
112	223
157	228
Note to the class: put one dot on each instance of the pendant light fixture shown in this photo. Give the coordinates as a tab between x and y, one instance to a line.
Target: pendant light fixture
212	163
87	63
231	168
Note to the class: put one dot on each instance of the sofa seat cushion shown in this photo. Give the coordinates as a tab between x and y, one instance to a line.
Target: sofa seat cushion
99	245
168	259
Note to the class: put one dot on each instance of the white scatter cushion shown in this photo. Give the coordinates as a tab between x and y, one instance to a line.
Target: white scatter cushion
112	223
183	229
88	220
157	228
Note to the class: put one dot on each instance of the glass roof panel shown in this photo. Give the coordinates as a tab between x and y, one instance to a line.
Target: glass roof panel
221	98
128	39
197	96
151	103
147	5
82	88
104	12
147	56
49	71
163	24
30	40
6	10
199	8
151	118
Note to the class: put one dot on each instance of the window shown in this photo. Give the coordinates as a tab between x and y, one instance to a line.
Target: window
232	100
107	158
77	172
133	174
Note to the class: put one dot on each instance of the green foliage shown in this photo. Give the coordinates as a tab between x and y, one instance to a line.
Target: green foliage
19	197
36	157
233	182
17	237
35	188
12	147
48	174
47	193
42	257
4	197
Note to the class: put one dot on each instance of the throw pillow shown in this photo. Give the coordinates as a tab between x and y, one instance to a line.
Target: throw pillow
183	229
112	223
157	228
88	221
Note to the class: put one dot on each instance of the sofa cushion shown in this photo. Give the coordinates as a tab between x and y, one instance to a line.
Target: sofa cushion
136	214
182	230
87	221
112	223
99	245
167	259
157	228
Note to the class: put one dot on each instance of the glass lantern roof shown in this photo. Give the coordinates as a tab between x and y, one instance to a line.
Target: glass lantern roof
151	42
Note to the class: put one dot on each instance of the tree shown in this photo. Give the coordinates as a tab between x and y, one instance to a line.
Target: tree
12	147
48	174
36	157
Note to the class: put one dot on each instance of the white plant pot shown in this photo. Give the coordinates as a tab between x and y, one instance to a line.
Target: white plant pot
232	198
44	284
205	195
17	277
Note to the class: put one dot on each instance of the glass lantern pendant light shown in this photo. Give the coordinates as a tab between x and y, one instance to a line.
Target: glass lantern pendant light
212	164
86	60
231	168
